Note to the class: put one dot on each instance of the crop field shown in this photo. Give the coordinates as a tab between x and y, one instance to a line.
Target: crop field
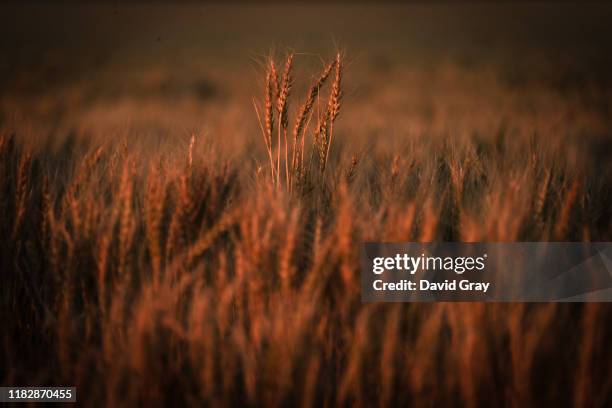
184	191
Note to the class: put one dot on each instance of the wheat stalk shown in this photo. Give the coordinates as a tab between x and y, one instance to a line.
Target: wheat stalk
334	103
281	106
304	113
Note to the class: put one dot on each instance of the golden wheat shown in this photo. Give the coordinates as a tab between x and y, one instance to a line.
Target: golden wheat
143	280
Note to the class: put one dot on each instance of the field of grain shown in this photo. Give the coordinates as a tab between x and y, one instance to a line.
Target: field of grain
184	191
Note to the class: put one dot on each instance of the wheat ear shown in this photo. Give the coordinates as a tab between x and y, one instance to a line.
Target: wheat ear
269	114
304	113
281	106
334	103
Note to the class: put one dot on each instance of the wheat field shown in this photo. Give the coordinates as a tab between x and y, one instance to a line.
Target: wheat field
179	231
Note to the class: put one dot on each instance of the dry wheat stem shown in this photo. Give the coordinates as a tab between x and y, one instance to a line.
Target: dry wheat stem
334	103
282	109
304	116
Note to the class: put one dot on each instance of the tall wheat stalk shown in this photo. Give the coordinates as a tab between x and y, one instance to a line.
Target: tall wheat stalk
276	94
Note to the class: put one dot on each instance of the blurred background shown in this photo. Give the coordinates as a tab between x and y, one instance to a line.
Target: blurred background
472	121
158	70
